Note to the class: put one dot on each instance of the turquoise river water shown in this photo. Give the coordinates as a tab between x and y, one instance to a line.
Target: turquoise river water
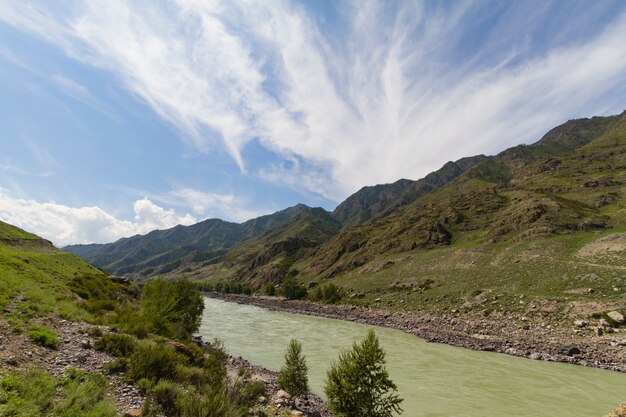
435	380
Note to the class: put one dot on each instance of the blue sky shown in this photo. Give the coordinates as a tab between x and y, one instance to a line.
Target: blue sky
122	117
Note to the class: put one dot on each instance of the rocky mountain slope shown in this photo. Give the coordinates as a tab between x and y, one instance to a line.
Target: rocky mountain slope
480	231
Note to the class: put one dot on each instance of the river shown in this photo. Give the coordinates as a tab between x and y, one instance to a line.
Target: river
435	380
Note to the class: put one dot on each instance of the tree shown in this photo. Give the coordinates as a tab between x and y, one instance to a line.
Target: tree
358	384
293	375
173	308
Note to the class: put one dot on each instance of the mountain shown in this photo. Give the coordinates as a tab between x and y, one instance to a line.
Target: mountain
370	202
544	220
162	251
268	257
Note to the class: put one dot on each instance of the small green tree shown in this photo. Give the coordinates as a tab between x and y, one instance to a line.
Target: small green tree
358	384
293	375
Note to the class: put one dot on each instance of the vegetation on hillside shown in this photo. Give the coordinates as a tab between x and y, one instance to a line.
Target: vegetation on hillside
39	284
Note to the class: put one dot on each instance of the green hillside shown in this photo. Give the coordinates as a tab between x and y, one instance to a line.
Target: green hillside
36	279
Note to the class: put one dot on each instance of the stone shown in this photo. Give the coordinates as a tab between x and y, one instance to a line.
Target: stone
570	350
599	331
85	344
535	356
282	394
580	323
616	316
133	412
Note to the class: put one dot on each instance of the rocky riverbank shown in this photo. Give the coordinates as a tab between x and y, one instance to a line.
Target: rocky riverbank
278	400
535	338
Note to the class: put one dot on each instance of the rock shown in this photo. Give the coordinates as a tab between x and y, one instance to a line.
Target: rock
570	350
85	344
134	412
296	413
282	394
599	331
580	323
616	316
535	356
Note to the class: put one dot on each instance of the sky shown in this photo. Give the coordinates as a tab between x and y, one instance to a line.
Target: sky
121	117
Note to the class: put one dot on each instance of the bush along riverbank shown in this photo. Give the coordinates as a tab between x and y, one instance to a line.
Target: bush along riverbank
533	337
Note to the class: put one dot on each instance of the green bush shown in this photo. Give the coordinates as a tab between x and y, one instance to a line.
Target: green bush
292	290
251	392
35	393
28	394
211	404
83	394
293	375
153	361
173	309
358	384
44	336
331	293
121	345
270	289
165	394
118	366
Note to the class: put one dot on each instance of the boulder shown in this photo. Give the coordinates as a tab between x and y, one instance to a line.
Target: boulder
616	316
134	412
580	323
570	350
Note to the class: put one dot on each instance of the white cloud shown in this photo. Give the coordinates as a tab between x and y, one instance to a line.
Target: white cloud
65	225
224	206
380	102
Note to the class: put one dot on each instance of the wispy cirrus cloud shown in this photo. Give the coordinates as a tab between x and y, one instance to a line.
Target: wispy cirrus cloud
386	91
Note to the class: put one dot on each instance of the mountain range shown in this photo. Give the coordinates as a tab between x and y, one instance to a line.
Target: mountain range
550	198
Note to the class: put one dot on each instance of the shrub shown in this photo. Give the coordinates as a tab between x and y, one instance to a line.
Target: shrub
213	403
358	384
172	308
25	395
35	393
153	361
165	394
118	366
331	293
270	289
83	394
292	290
293	375
251	392
121	345
44	336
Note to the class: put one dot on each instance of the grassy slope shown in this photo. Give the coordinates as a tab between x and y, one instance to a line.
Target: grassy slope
37	279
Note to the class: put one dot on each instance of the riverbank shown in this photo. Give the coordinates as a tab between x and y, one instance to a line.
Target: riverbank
278	401
536	338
